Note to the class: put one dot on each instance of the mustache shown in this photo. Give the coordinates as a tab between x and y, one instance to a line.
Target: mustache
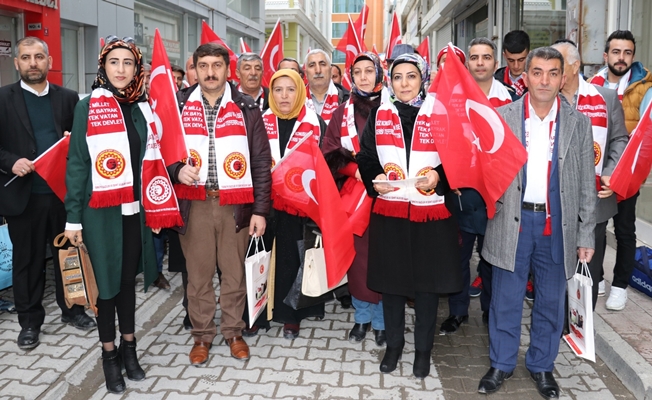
318	76
210	78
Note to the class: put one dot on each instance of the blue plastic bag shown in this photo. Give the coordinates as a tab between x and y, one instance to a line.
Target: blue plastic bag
641	278
6	251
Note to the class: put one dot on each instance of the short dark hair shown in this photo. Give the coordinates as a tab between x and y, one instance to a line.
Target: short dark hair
516	42
546	53
620	35
211	49
29	41
176	68
338	68
290	59
482	41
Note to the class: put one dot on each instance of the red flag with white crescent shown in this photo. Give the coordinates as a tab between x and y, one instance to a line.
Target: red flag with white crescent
634	165
272	53
51	166
424	49
207	36
165	110
303	179
394	36
477	148
244	47
361	26
351	49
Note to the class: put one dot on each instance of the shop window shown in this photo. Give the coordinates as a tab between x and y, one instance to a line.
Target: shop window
544	21
242	7
347	6
339	57
146	20
70	62
339	29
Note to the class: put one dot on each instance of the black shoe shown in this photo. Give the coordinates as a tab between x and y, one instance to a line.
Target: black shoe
421	367
80	321
345	301
28	338
115	383
492	380
379	335
251	332
546	384
187	325
391	358
452	323
129	359
485	318
358	332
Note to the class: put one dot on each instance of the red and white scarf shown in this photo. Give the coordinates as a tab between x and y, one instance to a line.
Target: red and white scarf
498	94
231	150
331	102
112	176
518	85
601	76
257	99
306	123
348	130
412	203
547	231
591	103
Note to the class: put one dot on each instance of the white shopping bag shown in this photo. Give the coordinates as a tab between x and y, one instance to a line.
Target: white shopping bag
315	282
580	313
256	272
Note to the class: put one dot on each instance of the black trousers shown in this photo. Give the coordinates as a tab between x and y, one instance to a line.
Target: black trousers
125	301
595	266
43	219
625	230
425	309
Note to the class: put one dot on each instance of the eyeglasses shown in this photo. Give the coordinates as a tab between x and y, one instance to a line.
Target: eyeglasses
112	38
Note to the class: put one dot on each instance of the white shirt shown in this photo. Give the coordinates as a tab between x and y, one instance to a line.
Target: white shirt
537	158
33	91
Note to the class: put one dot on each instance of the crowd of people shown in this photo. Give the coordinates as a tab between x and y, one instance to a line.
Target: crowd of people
574	131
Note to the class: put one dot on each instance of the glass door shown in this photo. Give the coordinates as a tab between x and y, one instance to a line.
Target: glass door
8	73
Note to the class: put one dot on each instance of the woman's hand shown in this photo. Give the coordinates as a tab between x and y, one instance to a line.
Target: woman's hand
606	189
431	181
358	176
156	231
75	237
382	188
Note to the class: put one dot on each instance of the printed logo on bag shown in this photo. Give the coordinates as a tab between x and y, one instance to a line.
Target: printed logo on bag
597	153
642	283
393	172
110	164
579	295
194	155
262	268
5	257
235	165
423	172
159	190
293	179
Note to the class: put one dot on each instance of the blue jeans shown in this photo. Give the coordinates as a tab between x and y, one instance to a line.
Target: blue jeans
159	248
366	312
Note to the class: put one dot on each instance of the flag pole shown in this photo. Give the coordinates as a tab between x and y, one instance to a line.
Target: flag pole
37	158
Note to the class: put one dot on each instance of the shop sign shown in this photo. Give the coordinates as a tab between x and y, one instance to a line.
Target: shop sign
44	3
5	48
34	27
173	47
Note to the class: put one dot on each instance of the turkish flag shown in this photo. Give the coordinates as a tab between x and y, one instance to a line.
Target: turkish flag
244	47
51	166
357	205
165	110
635	163
207	36
360	26
303	179
424	49
351	46
272	53
394	36
477	148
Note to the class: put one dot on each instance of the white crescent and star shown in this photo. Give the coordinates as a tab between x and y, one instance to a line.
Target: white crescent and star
271	57
636	156
490	116
351	48
307	176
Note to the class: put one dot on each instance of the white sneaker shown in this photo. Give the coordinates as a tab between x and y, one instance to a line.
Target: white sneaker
601	289
617	299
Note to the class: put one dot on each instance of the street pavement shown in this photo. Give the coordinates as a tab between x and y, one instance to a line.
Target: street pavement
320	364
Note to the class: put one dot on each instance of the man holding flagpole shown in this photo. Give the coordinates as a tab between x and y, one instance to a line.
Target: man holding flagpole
34	115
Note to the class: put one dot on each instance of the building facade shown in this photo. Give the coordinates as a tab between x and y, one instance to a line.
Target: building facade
374	34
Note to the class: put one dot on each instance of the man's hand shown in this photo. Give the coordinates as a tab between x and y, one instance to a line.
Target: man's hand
66	133
188	175
585	254
606	190
75	237
432	178
22	167
257	225
156	231
358	176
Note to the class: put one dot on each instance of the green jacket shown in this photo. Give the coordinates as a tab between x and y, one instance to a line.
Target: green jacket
102	227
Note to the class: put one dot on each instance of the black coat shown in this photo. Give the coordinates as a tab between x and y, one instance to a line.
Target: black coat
17	140
404	256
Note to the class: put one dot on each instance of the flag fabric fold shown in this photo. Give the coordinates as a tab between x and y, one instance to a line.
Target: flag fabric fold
394	36
477	148
51	166
244	47
207	36
272	53
424	49
303	179
351	47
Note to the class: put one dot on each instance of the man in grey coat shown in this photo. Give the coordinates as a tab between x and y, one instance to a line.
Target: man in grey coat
543	223
610	139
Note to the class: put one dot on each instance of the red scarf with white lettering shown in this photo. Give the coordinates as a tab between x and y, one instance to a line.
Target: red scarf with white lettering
412	203
547	231
591	103
600	78
231	150
348	131
306	123
498	94
112	176
331	102
518	85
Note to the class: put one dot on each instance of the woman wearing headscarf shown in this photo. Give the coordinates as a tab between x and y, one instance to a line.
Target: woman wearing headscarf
287	121
340	145
111	135
413	238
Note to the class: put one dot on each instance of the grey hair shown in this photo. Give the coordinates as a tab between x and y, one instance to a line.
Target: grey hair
317	51
248	57
546	53
485	41
572	54
30	41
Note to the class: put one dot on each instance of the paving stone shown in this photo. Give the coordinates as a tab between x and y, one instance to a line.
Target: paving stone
21	390
246	388
364	380
19	374
327	392
332	378
57	364
170	372
164	383
211	384
299	364
249	375
354	367
294	391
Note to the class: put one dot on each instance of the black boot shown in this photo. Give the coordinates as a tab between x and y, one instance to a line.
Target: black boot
390	360
421	367
130	360
115	383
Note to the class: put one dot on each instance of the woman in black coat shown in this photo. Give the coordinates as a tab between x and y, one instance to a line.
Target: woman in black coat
413	237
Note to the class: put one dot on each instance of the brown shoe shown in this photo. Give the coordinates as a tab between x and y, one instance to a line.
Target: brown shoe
239	348
161	282
199	353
